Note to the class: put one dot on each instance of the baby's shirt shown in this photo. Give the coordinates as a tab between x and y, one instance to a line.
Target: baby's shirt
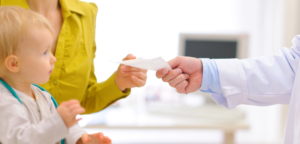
33	122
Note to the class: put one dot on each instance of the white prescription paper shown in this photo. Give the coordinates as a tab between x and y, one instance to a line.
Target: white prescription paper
149	64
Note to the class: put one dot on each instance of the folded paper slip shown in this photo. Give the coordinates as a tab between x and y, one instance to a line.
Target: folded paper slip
149	64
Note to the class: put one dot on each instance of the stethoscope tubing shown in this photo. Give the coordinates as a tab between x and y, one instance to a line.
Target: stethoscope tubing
17	97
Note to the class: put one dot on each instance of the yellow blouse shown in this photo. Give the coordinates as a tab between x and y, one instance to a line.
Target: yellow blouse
73	76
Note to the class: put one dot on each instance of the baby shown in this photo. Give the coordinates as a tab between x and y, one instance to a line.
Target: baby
28	113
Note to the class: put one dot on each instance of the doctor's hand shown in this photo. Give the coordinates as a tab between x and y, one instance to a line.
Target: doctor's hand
186	75
129	77
69	110
96	138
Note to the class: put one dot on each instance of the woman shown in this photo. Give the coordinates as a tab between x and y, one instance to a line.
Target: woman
73	77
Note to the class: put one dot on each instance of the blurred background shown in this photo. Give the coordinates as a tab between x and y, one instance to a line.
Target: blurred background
156	113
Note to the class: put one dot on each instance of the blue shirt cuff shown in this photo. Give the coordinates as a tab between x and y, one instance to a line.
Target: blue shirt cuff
211	80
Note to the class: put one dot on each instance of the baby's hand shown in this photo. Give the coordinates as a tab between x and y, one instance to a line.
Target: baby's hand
68	111
96	138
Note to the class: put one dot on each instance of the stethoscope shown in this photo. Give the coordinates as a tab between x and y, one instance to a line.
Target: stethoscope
16	96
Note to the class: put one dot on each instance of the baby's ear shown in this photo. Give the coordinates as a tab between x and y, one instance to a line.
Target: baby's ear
12	63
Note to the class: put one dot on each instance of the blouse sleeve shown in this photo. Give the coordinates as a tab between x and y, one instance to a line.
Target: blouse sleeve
100	95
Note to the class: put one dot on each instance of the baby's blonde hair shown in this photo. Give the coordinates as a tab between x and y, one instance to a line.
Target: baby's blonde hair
14	23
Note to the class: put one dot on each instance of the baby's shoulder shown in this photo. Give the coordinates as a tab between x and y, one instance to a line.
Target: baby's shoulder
41	93
6	96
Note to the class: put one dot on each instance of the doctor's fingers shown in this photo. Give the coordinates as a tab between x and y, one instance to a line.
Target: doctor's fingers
180	88
178	79
172	74
161	73
138	82
176	61
194	84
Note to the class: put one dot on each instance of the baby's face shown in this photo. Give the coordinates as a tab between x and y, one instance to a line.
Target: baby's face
35	57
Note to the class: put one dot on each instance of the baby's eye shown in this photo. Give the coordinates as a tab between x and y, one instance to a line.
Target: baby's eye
45	53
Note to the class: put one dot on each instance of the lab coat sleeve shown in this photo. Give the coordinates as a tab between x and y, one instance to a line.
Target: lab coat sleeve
15	127
259	81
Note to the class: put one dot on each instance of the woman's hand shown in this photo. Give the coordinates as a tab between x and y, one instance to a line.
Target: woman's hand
129	77
96	138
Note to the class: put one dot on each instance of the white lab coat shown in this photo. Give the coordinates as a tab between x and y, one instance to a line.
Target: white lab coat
264	81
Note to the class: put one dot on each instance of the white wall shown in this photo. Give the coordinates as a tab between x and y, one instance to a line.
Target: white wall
150	28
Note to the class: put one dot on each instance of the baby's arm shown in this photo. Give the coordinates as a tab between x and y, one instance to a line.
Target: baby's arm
79	136
15	128
75	134
68	111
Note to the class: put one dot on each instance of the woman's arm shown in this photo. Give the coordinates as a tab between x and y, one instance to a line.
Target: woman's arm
100	95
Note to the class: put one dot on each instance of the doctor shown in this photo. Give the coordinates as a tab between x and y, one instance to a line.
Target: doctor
259	81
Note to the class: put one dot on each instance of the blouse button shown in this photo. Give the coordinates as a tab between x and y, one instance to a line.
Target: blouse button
54	82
